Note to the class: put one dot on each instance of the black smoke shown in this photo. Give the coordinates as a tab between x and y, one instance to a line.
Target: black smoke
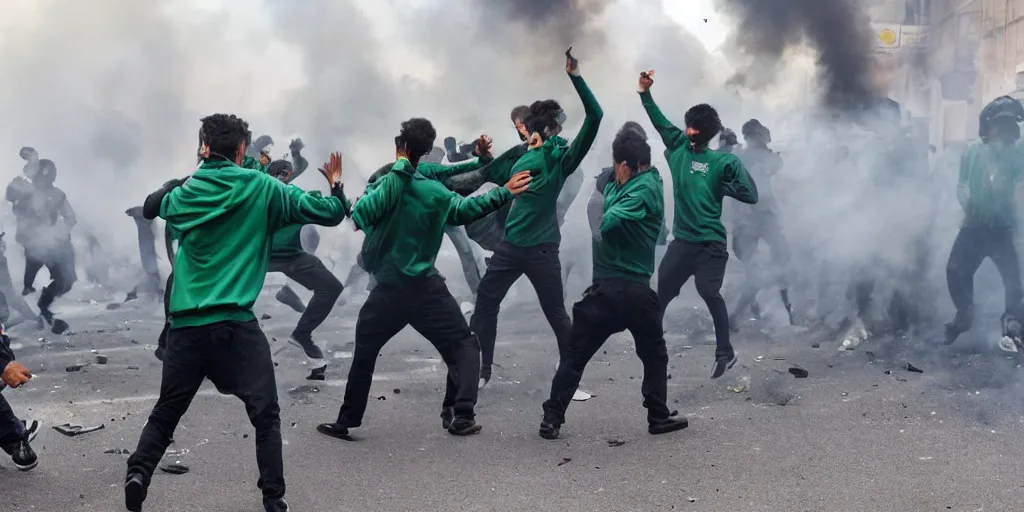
838	30
563	22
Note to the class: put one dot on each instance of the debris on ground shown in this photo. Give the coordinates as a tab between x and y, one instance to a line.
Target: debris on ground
565	460
798	372
737	389
118	451
174	469
382	397
264	316
317	374
72	430
615	442
815	345
74	368
397	391
102	359
911	368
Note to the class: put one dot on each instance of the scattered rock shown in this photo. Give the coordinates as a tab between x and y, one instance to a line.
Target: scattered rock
397	391
911	368
174	469
798	372
118	451
72	430
737	388
73	368
815	345
264	316
382	397
317	374
133	367
102	359
565	460
615	442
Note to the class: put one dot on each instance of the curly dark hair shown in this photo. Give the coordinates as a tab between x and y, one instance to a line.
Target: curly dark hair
632	148
703	118
543	114
753	127
418	136
224	133
519	113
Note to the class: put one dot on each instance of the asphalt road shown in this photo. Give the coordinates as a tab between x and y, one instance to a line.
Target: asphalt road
861	433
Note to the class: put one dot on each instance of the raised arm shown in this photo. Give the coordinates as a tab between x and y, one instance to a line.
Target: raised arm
671	135
383	198
588	132
299	162
292	205
499	170
151	207
737	183
441	171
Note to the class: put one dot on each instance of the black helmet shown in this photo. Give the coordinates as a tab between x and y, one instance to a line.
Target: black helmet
1002	107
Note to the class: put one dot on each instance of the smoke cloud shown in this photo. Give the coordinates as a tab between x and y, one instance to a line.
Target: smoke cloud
837	30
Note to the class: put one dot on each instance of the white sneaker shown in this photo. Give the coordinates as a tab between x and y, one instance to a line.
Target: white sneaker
581	396
467	308
1006	344
32	427
855	336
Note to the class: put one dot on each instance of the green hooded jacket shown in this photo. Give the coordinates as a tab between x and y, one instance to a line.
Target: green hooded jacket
631	224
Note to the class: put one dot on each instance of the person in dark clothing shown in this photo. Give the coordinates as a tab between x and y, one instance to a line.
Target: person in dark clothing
45	219
621	297
727	141
150	284
220	267
753	223
288	257
990	171
532	235
701	177
11	297
15	435
400	251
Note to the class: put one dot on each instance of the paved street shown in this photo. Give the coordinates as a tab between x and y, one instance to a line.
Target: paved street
860	434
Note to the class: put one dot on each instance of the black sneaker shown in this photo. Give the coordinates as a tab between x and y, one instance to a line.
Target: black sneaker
277	505
447	417
134	492
485	376
23	456
722	364
289	298
464	427
59	326
667	425
28	290
549	430
32	428
308	346
334	430
952	333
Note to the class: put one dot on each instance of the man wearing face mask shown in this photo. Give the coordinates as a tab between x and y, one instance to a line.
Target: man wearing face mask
224	216
760	221
701	177
532	234
45	219
990	172
288	257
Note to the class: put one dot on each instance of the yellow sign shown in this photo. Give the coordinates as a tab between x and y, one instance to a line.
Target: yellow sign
888	37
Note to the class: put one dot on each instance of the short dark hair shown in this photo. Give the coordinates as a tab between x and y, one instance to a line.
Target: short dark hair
543	114
47	170
753	127
519	113
278	167
224	133
418	135
704	118
634	127
632	148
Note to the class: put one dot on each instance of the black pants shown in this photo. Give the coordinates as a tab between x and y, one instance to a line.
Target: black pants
745	239
162	340
609	307
427	305
11	429
542	267
310	272
971	247
60	262
705	261
235	356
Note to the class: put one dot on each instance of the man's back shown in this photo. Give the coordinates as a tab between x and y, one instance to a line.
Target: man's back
226	216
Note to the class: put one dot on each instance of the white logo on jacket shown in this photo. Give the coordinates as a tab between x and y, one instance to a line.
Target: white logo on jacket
701	167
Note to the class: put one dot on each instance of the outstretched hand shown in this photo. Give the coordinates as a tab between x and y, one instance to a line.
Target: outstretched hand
15	374
332	169
483	145
572	66
646	80
519	183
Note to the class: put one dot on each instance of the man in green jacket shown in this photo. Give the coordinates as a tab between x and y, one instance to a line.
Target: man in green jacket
288	257
400	252
990	173
701	178
621	297
225	216
532	233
